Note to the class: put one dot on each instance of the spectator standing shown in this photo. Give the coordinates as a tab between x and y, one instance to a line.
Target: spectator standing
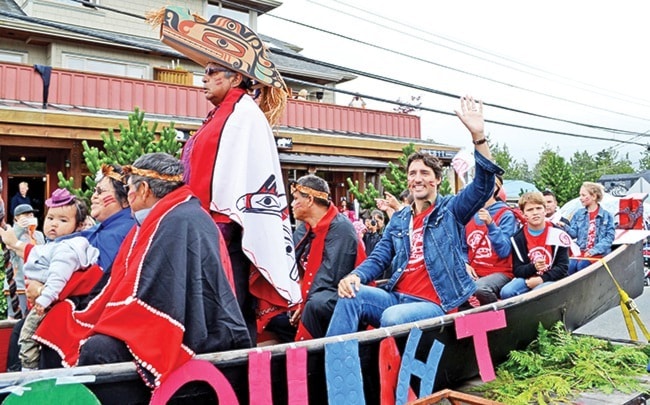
357	102
371	237
231	162
20	197
302	95
346	211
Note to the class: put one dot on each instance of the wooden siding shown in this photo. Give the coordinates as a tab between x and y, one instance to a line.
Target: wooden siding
84	90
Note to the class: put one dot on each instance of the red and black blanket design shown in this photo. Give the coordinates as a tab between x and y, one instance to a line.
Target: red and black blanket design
167	297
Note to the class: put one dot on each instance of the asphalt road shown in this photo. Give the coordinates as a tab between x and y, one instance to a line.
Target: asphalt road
611	324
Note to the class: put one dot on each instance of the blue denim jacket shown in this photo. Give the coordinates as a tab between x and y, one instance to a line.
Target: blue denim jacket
443	233
605	230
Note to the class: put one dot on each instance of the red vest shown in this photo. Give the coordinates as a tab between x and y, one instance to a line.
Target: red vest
480	254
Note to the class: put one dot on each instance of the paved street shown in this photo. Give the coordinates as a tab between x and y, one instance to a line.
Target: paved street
611	324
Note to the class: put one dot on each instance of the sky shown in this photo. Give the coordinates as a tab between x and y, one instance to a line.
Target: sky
579	61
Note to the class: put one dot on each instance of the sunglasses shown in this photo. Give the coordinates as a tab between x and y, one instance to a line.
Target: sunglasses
99	190
215	69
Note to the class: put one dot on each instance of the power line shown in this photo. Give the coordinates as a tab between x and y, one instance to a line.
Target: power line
99	6
418	107
442	93
138	44
608	93
448	67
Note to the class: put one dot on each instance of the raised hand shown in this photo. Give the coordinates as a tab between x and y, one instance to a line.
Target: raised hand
471	115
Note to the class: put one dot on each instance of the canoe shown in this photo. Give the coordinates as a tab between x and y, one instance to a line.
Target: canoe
574	300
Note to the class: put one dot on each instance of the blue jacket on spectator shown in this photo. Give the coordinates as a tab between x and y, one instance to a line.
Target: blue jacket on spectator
605	230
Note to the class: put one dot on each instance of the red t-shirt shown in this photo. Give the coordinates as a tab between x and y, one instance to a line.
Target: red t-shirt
416	281
537	248
591	232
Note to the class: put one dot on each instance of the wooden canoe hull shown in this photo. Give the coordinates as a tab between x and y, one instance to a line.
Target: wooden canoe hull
575	301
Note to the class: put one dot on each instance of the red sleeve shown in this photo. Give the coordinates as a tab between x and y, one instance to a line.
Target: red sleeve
28	250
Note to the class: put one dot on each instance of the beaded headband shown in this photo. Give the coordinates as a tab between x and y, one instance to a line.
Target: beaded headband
309	191
128	169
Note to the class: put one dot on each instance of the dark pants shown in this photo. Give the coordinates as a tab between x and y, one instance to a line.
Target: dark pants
103	349
98	349
13	361
284	331
241	273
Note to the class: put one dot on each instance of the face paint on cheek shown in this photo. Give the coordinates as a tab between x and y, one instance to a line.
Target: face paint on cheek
433	184
410	183
109	199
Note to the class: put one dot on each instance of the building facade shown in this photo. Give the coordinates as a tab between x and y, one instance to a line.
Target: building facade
69	72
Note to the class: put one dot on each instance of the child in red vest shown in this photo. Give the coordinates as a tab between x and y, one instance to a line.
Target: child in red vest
540	252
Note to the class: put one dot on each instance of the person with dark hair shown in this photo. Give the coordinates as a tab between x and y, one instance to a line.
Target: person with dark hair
167	298
488	246
110	208
553	214
51	264
345	210
327	249
231	162
428	276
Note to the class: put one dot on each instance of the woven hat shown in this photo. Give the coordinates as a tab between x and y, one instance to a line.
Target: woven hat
228	43
59	198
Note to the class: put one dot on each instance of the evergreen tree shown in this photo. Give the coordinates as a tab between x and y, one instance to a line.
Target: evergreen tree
394	181
584	167
134	141
513	169
609	163
554	173
445	186
644	163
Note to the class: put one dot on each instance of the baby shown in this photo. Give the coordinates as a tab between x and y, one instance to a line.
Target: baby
52	263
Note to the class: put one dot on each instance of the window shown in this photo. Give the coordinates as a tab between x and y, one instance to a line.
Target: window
218	8
108	67
11	56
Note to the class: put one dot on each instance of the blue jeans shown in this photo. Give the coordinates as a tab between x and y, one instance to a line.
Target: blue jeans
378	307
575	265
518	286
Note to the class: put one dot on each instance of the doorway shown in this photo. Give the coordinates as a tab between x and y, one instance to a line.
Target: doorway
33	172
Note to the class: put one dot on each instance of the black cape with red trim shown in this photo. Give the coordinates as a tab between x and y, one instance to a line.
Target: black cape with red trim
334	250
167	297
